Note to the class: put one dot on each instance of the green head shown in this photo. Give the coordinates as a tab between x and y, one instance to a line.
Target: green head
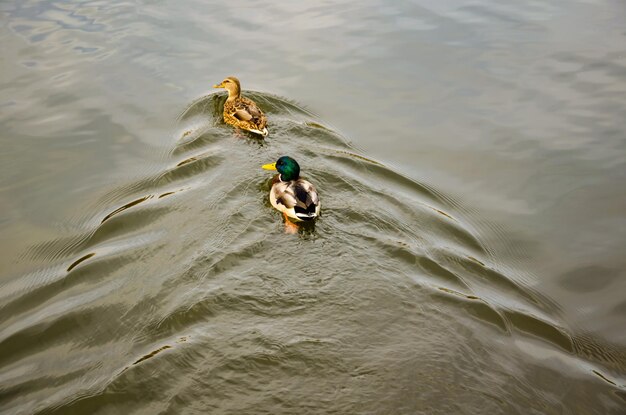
287	167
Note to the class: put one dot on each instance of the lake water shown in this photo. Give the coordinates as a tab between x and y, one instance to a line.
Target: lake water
471	162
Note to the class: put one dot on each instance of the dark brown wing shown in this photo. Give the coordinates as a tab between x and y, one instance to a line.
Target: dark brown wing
242	115
252	108
306	199
297	198
246	110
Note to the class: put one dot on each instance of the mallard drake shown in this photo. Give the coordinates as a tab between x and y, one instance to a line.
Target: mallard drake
295	197
242	112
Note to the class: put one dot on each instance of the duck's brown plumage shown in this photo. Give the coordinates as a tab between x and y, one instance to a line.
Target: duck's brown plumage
240	111
244	113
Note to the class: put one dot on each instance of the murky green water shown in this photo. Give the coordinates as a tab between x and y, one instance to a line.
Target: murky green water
471	161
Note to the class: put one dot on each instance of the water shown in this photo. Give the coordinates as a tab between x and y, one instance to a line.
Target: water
469	258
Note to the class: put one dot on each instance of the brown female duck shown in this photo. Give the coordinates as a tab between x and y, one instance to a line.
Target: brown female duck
242	112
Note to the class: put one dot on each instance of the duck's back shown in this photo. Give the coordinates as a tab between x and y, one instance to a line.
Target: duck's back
245	111
297	198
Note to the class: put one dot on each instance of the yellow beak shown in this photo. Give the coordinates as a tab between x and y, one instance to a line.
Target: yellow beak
218	86
271	166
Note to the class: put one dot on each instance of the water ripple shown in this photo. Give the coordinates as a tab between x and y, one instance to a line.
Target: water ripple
394	251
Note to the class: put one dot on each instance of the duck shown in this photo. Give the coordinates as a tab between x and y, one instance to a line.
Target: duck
240	111
290	194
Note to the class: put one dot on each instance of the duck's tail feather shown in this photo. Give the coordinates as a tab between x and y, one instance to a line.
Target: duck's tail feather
306	214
